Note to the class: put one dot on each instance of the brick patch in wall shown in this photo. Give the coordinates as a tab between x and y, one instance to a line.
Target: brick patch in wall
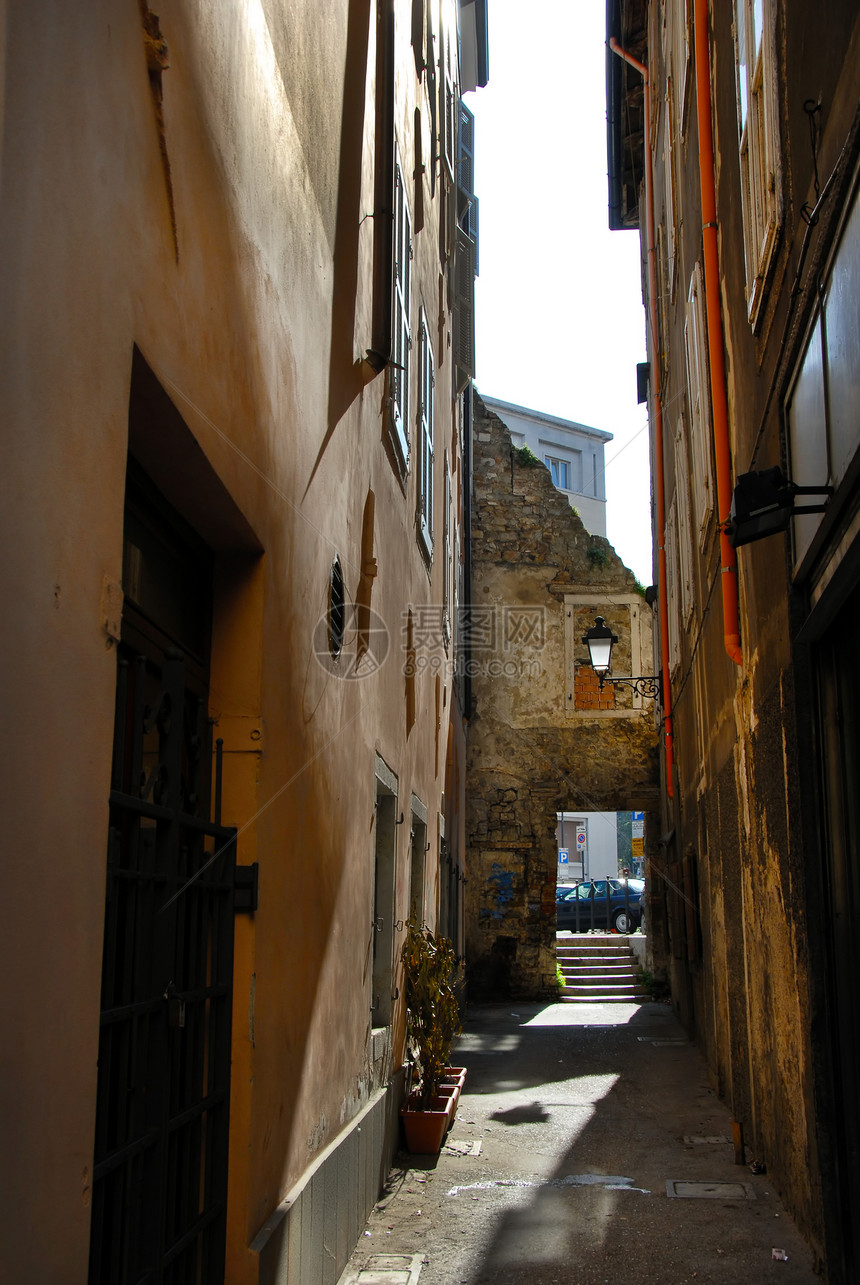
587	693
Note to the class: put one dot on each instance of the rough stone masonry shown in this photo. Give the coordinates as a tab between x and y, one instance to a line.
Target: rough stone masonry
542	739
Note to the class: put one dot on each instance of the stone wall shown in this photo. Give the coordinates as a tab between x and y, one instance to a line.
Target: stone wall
540	740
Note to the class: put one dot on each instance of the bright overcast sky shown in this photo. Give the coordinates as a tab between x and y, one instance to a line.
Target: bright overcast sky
560	323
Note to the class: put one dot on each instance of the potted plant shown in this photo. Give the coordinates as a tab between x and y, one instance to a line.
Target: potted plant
432	1025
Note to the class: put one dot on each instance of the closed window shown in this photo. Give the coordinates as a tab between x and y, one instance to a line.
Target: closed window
682	506
680	19
673	585
559	472
427	377
669	185
402	334
823	428
758	142
465	266
699	401
448	570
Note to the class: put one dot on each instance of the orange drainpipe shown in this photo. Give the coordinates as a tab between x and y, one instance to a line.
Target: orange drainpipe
657	401
716	347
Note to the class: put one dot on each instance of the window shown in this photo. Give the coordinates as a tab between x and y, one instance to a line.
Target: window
447	570
467	202
676	49
757	125
447	111
669	186
559	472
465	265
682	504
418	858
382	924
672	584
823	430
336	609
698	396
427	376
401	332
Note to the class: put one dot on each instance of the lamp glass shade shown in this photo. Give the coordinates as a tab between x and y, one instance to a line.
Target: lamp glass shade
599	640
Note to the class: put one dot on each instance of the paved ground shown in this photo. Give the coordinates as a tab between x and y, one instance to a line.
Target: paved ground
573	1121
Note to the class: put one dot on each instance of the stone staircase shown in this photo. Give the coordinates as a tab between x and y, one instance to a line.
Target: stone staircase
598	968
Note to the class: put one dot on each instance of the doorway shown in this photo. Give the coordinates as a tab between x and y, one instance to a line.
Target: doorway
839	729
162	1115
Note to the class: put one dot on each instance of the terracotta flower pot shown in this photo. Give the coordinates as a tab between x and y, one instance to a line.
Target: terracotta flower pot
425	1130
452	1082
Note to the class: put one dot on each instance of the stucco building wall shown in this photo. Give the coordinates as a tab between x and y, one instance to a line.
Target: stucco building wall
759	834
188	263
577	447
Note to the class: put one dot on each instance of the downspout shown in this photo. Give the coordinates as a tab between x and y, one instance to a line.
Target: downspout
657	400
379	353
716	345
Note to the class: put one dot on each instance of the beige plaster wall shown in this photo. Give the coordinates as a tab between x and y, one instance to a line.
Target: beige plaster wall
236	253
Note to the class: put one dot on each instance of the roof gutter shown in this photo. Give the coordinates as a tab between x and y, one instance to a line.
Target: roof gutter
716	344
657	402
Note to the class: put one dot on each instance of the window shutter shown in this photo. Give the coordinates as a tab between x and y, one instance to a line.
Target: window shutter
759	144
447	111
427	376
669	176
466	159
682	497
402	339
464	309
698	394
672	586
467	202
447	569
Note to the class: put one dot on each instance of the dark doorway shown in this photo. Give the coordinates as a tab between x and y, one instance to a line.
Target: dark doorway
839	696
160	1176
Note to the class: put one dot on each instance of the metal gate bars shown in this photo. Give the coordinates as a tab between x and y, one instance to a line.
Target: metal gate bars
160	1175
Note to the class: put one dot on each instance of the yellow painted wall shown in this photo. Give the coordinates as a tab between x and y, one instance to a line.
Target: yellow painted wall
238	258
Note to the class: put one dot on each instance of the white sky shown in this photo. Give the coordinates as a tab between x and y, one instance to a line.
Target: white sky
559	319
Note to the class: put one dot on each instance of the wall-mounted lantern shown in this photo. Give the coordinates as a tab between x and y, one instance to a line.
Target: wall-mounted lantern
763	504
599	640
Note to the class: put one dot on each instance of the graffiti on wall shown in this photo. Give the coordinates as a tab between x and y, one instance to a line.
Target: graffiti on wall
499	893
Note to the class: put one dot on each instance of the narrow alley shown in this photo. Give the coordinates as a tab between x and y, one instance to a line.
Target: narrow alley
431	512
576	1125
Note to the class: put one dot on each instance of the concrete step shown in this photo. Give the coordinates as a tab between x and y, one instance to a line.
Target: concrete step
594	952
601	998
588	992
595	961
598	970
609	962
593	977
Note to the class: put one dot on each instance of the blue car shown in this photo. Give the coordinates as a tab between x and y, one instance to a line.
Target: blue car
583	906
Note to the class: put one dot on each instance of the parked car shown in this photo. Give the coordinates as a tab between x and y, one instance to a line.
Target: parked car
580	907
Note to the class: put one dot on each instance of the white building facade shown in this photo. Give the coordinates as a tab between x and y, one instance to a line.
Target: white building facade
573	453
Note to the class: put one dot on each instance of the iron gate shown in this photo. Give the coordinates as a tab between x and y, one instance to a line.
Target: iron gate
160	1173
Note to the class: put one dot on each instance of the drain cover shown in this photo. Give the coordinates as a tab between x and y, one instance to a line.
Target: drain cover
709	1190
385	1269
